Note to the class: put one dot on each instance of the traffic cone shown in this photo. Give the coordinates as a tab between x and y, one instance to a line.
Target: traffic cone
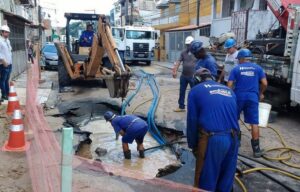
13	101
16	141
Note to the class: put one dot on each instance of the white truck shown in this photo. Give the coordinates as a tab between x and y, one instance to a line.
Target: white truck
135	44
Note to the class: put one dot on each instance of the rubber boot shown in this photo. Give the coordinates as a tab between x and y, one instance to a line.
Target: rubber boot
256	149
127	154
142	154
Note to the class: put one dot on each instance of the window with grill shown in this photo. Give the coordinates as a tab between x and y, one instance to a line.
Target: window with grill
177	9
17	37
263	5
205	31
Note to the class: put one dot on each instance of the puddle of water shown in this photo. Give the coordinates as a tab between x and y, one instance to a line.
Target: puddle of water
104	136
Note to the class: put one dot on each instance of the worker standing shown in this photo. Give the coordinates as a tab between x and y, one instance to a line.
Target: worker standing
250	83
131	128
86	38
230	61
205	60
213	132
5	61
188	68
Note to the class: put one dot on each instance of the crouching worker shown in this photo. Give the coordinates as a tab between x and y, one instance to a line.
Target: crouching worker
213	132
131	128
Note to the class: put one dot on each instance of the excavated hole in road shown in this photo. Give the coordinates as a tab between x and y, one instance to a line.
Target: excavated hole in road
97	140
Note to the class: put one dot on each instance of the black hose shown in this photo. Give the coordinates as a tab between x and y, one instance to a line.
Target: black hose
269	176
164	145
266	164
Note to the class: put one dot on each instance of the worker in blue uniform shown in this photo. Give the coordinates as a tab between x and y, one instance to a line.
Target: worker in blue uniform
249	82
205	60
213	132
131	128
86	38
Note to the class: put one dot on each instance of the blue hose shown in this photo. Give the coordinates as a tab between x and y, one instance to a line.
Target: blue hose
153	130
129	99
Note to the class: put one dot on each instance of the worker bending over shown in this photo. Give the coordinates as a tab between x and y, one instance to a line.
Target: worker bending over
188	61
131	128
86	38
204	59
230	61
213	132
249	82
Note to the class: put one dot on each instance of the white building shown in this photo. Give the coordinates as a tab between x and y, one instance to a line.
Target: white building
244	18
140	13
22	18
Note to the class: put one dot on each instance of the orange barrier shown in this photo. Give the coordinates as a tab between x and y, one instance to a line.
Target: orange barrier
16	141
13	101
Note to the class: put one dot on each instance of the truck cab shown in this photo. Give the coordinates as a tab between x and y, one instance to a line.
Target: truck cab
137	43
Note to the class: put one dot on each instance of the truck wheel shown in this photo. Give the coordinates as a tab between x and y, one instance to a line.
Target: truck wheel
64	79
148	63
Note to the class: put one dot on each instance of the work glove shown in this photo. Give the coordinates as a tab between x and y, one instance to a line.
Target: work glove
127	154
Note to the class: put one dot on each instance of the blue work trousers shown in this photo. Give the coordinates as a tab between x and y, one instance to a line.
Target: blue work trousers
219	163
4	79
184	81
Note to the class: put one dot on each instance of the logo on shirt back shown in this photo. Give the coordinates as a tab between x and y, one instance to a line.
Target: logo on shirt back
222	92
247	68
209	86
248	73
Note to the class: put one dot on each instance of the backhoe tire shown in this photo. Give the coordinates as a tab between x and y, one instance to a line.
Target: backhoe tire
64	79
103	84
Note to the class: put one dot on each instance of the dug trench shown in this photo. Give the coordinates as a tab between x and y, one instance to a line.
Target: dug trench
95	139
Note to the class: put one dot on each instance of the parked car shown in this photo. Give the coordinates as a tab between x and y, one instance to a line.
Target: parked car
49	57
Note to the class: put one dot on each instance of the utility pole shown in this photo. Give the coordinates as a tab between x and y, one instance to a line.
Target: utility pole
126	12
198	12
40	22
131	19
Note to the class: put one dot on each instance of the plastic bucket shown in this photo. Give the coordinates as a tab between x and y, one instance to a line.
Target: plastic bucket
264	113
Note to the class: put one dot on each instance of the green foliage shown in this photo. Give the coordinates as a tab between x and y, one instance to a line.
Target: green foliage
74	27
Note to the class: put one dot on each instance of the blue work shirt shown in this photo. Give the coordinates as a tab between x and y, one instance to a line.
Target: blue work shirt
130	124
209	63
211	107
89	35
247	77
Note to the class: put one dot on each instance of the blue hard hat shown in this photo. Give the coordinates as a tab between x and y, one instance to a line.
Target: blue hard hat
244	53
229	43
196	46
108	115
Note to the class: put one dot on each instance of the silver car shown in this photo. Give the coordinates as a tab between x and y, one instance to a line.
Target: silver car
49	57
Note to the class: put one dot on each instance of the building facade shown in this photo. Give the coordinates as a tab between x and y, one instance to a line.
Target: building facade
22	18
133	12
242	17
178	19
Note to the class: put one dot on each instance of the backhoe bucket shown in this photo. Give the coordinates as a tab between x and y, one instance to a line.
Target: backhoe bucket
117	85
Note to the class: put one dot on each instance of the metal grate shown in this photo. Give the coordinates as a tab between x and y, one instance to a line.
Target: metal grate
141	47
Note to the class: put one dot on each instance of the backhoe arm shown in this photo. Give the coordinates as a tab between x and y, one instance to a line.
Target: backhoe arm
103	42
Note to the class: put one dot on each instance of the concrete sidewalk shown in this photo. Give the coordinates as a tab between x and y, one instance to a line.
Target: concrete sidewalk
43	90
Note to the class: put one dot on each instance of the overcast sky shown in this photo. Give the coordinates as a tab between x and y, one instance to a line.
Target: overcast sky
79	6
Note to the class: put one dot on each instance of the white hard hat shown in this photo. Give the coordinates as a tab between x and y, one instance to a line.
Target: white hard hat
189	40
5	28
